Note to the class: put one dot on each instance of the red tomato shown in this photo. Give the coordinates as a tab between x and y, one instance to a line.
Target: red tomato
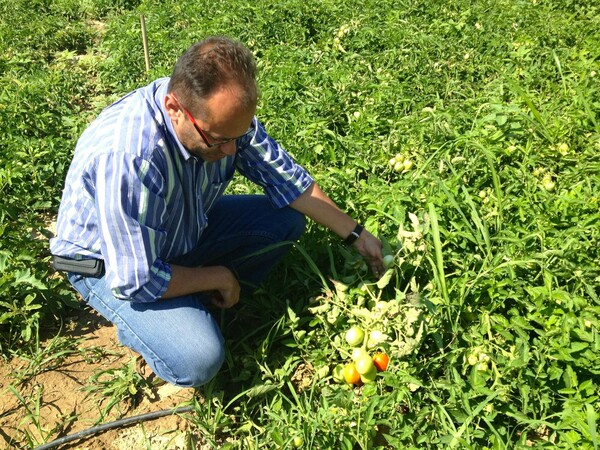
381	361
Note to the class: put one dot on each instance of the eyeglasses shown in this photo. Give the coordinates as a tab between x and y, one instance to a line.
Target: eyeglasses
203	134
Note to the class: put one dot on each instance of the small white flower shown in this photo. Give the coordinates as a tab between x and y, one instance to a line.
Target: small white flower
413	387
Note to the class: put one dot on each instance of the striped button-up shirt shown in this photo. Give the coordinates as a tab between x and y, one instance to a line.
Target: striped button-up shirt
136	198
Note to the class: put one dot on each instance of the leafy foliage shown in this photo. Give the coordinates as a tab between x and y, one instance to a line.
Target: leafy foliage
48	92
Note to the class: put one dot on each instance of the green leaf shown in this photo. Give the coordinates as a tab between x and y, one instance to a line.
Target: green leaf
501	119
591	421
385	279
277	438
570	378
25	277
578	346
261	389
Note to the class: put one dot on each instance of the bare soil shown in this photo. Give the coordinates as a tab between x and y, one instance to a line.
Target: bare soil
53	402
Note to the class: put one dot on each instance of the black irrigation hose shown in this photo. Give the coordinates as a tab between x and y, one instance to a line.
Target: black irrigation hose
116	424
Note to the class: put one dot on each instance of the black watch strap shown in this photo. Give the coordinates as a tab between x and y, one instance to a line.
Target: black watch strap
352	237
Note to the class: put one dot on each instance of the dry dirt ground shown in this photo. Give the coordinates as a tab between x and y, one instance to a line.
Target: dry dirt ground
55	402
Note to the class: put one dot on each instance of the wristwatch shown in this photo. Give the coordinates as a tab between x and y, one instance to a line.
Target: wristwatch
352	237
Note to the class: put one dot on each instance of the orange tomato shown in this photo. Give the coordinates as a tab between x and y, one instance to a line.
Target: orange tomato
351	375
381	361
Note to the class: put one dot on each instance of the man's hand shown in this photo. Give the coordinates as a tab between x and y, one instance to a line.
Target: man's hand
370	248
318	206
219	281
227	295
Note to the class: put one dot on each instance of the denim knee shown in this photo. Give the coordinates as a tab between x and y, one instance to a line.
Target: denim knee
297	224
194	367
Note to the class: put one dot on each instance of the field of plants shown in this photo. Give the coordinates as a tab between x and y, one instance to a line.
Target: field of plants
464	133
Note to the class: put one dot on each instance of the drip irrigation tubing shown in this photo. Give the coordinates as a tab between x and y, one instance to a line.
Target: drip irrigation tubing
116	424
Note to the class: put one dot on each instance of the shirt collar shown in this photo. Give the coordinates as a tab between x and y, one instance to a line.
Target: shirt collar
162	86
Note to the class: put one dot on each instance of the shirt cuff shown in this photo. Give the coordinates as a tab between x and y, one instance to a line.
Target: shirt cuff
153	289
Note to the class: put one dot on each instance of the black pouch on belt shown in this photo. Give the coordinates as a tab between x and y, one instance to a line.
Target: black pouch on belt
87	267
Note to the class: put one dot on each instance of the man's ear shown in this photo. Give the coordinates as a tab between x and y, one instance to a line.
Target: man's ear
173	108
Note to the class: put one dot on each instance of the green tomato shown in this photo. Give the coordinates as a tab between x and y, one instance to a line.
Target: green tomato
549	185
355	336
563	148
376	337
338	373
364	364
357	353
388	261
371	344
298	441
370	375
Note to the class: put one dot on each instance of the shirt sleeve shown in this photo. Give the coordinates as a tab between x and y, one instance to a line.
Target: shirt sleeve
131	207
263	161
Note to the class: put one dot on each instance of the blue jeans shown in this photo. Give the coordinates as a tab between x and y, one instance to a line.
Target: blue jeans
178	337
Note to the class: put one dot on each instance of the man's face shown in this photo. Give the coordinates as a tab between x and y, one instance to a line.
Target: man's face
224	120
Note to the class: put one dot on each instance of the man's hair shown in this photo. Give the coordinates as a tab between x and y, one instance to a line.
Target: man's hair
209	65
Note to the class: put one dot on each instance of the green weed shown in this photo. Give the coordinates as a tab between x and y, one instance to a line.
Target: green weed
33	430
122	387
51	356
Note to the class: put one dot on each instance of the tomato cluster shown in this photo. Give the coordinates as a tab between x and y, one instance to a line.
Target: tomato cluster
364	367
401	163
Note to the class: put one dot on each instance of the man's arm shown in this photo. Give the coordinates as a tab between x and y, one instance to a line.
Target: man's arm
218	280
315	204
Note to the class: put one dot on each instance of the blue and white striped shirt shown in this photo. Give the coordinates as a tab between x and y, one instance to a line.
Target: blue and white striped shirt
135	197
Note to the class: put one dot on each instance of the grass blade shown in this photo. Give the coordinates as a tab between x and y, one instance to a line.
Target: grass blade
591	421
562	77
439	260
539	120
473	414
481	226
